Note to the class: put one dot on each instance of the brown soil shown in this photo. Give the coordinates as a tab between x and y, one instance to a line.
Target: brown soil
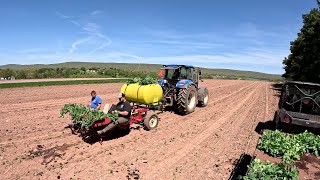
203	145
308	166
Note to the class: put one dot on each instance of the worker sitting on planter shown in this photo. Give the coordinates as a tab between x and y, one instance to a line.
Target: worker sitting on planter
123	108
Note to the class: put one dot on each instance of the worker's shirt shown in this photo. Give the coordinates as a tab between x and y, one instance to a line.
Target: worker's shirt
95	102
124	106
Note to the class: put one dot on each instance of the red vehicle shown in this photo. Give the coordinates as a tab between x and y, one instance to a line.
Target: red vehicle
144	116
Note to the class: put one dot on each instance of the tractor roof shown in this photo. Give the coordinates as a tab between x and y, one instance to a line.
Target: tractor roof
177	65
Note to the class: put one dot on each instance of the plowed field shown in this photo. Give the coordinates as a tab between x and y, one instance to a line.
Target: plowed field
203	145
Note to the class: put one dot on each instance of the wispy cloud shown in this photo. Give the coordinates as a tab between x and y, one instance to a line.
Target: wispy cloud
93	31
62	15
77	43
96	13
178	43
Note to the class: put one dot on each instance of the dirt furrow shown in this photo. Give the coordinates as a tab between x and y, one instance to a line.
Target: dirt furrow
162	167
222	150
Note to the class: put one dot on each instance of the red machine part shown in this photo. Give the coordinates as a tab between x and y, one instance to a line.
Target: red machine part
136	117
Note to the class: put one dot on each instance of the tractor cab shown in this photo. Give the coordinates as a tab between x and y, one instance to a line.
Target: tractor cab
180	84
178	74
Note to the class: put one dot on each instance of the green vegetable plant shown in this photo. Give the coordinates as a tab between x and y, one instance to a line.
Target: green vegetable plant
270	171
85	116
289	147
146	81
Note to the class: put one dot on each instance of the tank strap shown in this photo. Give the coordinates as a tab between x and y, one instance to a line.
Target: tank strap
126	89
138	92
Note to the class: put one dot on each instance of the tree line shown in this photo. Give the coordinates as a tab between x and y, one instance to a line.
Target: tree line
303	63
42	73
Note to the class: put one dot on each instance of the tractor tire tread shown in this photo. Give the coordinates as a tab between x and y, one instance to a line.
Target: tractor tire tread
182	100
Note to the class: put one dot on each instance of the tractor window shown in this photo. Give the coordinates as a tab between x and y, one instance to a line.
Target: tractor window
172	74
184	73
190	73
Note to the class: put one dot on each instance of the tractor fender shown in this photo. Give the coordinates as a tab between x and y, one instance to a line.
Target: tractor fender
161	82
184	84
201	93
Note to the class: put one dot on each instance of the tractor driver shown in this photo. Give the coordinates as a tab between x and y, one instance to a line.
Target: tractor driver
176	74
123	108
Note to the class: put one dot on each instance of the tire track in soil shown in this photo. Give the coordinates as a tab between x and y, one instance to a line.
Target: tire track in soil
206	170
203	122
199	110
237	145
222	150
252	142
168	162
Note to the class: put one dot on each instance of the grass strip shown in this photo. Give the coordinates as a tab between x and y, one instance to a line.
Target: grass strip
59	83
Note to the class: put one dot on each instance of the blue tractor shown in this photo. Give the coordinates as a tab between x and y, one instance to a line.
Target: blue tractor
180	84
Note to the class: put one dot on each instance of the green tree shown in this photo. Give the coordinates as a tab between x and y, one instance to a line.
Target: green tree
21	74
5	73
303	63
83	69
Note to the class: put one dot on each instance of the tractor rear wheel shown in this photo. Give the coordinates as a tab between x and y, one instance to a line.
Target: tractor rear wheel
150	121
187	100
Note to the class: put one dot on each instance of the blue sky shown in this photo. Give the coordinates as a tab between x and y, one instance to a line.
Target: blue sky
246	35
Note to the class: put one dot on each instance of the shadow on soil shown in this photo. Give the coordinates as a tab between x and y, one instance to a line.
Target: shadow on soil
113	134
291	129
268	125
241	167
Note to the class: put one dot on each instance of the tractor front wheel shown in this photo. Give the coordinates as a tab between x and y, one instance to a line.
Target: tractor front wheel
150	121
187	100
205	100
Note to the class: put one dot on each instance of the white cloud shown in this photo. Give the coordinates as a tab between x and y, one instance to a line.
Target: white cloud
77	43
91	28
96	13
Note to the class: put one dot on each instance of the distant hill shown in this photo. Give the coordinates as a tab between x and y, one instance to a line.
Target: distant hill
212	73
